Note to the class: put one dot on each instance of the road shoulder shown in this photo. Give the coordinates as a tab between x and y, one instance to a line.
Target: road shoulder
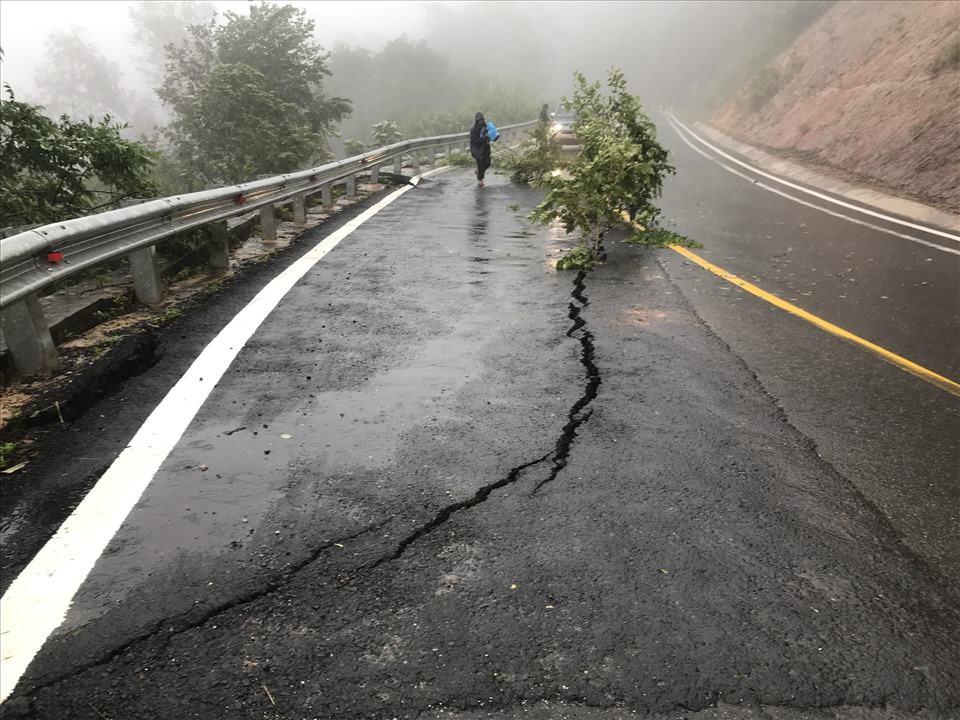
872	197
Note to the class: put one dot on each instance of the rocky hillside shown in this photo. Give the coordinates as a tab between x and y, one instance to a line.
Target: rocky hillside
870	92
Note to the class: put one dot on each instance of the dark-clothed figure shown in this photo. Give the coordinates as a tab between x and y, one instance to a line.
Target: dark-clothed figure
480	146
544	115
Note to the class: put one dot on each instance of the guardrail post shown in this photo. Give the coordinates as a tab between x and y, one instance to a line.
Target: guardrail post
146	275
326	195
351	186
28	337
398	165
375	175
268	224
220	250
300	209
415	162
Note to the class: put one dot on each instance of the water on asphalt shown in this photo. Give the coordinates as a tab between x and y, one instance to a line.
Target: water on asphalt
444	480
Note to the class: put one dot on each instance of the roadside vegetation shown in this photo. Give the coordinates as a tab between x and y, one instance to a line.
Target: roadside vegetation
247	98
611	181
6	451
59	169
250	94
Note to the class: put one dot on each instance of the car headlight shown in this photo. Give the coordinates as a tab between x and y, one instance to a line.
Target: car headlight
557	127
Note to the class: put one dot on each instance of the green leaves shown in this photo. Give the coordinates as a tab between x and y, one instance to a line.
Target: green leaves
618	171
56	170
538	158
386	133
247	97
580	258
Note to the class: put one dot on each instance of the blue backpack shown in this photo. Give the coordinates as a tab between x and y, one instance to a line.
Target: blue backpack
492	131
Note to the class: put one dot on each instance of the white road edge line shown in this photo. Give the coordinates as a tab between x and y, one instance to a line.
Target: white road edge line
795	199
36	602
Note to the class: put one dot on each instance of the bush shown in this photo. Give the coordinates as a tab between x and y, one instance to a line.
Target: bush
616	175
537	158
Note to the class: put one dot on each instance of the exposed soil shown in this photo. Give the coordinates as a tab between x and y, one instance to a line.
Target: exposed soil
871	92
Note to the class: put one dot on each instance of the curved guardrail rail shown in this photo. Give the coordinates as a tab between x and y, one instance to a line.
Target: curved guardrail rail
36	259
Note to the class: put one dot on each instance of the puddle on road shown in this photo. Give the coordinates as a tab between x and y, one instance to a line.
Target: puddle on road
247	468
362	427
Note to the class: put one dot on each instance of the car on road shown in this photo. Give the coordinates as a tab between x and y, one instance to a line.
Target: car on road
561	126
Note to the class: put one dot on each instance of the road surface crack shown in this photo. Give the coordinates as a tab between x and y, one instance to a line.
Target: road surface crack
578	414
576	417
445	514
193	619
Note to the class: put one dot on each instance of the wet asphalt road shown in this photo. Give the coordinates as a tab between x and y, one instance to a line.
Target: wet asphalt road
444	480
896	438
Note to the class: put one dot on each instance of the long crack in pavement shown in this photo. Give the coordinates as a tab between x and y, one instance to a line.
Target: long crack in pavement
558	456
575	418
192	619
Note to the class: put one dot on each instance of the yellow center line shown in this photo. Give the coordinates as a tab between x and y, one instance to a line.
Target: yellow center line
902	363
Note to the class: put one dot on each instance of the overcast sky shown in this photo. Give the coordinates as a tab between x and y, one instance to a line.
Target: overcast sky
25	24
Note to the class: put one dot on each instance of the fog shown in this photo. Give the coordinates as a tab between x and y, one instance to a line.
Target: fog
27	25
674	53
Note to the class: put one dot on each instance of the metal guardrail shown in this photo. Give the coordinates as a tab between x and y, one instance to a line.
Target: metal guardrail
33	260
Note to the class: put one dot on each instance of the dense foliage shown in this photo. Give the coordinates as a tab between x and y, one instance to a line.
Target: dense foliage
247	97
616	175
537	158
54	170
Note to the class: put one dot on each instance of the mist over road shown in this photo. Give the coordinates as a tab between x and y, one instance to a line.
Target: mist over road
444	480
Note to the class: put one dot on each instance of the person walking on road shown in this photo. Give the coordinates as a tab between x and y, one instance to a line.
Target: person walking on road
544	115
480	138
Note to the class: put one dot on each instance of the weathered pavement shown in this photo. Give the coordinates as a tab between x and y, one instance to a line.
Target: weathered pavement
502	486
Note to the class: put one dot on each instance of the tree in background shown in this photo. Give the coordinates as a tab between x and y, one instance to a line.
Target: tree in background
159	24
404	82
247	97
78	80
412	79
502	103
156	25
386	133
56	170
353	73
414	86
532	41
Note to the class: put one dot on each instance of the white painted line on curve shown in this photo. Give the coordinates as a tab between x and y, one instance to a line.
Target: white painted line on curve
37	601
795	199
835	201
